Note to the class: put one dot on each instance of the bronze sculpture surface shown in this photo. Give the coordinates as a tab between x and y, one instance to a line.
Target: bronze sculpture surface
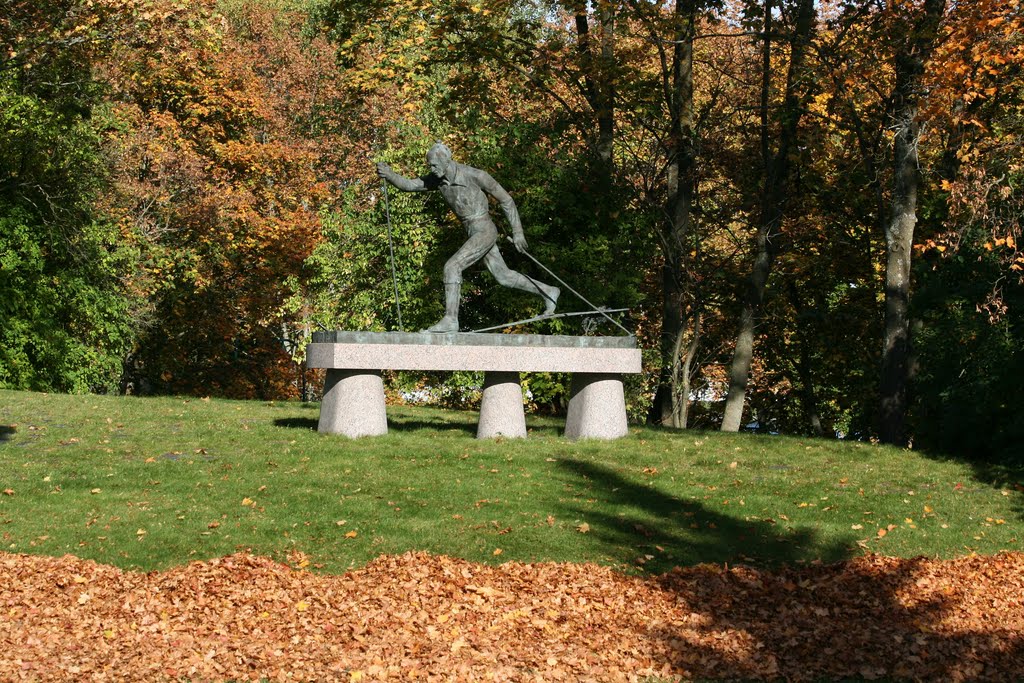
465	189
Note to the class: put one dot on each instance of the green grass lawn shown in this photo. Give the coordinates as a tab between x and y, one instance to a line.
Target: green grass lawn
148	483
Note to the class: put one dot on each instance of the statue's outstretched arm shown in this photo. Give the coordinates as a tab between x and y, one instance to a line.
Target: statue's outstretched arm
401	182
508	206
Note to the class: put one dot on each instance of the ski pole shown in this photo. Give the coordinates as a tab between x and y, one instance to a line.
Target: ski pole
580	296
391	249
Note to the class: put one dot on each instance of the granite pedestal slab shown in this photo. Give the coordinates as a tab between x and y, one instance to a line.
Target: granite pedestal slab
353	403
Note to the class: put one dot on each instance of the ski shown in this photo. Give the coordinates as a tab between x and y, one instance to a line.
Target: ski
551	316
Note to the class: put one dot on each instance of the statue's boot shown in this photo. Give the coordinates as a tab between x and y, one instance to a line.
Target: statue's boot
549	293
450	321
550	296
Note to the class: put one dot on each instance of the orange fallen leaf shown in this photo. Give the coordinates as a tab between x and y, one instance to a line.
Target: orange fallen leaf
351	534
402	613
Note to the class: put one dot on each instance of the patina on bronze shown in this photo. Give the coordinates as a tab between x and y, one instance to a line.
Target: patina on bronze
465	189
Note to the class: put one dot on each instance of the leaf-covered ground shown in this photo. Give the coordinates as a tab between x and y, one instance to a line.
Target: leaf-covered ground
426	617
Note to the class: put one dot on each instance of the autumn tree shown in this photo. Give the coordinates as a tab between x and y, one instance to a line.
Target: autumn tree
219	184
776	164
969	301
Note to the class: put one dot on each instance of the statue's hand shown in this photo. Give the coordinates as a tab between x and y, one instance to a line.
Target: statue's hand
383	170
520	242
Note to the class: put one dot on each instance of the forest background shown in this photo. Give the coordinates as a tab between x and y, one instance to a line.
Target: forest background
812	209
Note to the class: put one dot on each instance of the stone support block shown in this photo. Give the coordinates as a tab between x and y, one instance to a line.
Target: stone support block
597	407
501	407
353	403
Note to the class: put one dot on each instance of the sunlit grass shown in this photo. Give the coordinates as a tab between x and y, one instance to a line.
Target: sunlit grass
155	482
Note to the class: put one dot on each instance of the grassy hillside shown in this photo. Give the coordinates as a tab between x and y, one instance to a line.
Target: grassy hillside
155	482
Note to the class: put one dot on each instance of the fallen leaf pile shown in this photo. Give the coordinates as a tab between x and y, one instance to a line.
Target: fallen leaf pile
424	617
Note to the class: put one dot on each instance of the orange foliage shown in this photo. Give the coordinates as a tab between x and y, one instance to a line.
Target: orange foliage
975	93
220	163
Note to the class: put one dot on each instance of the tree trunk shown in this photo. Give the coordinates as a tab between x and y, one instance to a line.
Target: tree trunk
899	239
598	69
805	371
773	199
677	230
743	355
681	409
899	234
604	105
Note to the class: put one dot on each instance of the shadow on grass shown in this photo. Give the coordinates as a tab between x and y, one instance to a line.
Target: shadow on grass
1003	475
6	433
446	424
663	531
308	423
867	618
396	424
400	424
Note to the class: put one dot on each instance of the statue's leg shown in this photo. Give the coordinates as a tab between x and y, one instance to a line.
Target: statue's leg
468	254
510	278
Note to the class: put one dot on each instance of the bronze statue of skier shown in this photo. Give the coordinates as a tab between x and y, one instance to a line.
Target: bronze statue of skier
465	189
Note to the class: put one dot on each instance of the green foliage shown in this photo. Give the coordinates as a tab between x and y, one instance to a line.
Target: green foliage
66	315
970	355
66	326
349	276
